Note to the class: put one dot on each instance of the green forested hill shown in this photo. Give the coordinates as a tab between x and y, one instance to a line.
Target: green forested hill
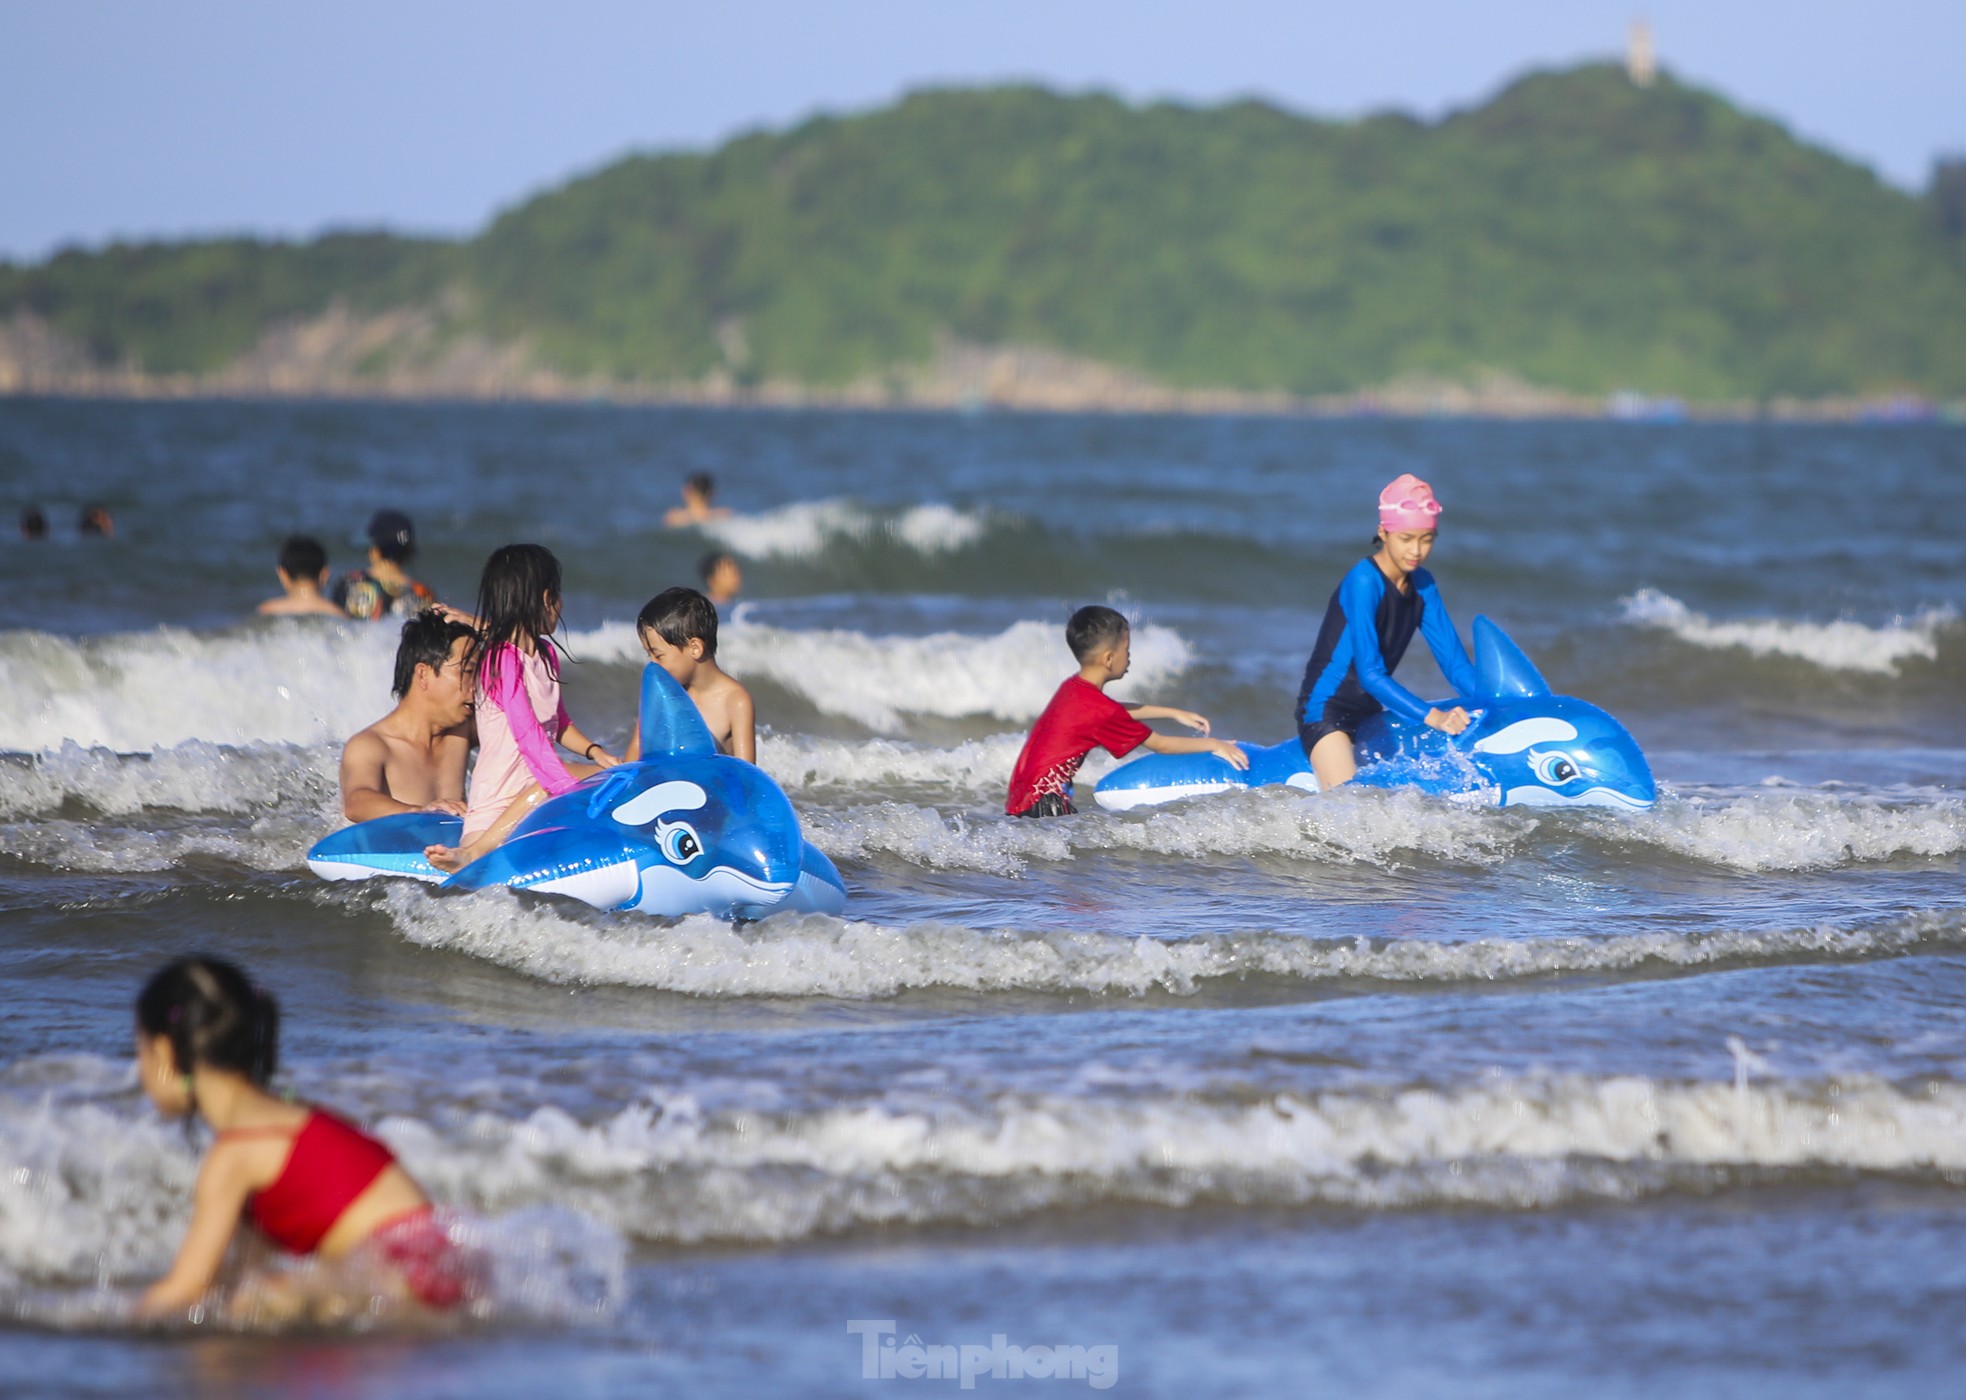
1576	231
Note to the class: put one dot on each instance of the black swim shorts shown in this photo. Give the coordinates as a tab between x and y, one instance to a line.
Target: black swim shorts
1337	719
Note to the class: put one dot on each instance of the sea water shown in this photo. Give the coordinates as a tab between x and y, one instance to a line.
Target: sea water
1354	1094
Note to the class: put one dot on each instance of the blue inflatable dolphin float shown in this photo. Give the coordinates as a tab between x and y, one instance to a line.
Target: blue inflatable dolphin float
1526	748
683	830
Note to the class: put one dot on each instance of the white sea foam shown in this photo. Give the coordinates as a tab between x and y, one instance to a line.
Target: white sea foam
288	683
1375	828
1835	646
815	955
667	1169
807	528
191	777
877	680
1786	830
808	764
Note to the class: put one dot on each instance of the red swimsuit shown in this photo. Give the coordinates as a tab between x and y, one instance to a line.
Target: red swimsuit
329	1166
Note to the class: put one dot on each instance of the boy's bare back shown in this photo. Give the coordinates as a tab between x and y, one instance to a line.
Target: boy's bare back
727	710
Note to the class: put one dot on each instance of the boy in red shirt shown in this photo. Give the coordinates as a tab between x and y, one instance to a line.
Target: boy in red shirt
1082	717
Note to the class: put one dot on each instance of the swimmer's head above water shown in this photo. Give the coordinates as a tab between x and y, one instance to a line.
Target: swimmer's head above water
1409	518
202	1013
1408	504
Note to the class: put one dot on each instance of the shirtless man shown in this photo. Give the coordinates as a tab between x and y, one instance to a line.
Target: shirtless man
412	759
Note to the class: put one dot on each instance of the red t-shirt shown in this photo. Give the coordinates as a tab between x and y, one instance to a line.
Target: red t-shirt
1080	718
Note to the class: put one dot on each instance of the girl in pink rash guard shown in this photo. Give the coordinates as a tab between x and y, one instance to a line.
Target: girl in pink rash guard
520	716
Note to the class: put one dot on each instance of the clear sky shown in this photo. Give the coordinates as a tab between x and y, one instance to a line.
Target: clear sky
174	117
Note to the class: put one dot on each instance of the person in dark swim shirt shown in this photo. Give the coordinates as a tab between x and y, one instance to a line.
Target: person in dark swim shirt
1372	616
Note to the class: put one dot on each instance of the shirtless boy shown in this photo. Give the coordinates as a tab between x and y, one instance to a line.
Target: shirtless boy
303	572
678	629
412	759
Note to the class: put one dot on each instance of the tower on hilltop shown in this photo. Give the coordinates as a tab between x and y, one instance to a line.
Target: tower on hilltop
1640	62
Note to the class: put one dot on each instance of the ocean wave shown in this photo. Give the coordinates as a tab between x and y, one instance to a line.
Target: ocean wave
195	776
94	1190
287	683
877	680
807	764
1794	830
1356	827
819	956
1834	646
667	1171
307	686
272	843
804	529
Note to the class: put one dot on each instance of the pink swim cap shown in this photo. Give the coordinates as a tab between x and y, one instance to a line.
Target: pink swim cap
1408	504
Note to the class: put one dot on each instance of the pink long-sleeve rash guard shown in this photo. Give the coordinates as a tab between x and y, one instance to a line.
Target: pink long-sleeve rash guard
519	718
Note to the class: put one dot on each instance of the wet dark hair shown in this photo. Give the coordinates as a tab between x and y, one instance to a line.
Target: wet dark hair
427	641
677	614
1093	629
512	593
702	483
707	565
213	1016
302	557
33	524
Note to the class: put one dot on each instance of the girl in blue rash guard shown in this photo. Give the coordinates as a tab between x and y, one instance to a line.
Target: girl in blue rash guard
1372	616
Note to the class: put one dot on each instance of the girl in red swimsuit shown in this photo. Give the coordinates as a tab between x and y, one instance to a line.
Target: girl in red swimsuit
312	1184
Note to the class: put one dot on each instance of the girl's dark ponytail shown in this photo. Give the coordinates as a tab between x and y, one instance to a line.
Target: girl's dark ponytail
214	1017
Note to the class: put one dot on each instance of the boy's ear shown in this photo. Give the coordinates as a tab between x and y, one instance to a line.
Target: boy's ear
696	648
323	579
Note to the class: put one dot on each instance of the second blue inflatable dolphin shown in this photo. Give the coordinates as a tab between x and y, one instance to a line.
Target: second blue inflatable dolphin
1526	747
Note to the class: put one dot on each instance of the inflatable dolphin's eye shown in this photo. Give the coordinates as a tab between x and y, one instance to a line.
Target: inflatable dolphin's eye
1553	768
679	842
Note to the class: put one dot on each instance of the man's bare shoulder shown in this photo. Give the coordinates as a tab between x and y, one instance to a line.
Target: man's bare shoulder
371	744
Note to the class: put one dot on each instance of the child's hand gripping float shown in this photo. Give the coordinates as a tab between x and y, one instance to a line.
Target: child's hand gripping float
1526	748
684	830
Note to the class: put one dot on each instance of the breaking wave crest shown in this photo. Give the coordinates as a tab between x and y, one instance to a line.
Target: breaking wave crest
1370	828
819	956
98	1191
804	529
1834	646
283	683
877	680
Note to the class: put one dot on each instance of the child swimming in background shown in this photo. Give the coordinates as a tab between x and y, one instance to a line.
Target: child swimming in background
519	713
303	575
1371	618
678	628
1082	717
207	1046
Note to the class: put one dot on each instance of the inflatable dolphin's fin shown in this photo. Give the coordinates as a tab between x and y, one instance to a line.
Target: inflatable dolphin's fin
671	723
1505	673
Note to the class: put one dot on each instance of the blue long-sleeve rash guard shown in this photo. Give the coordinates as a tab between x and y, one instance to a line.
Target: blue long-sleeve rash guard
1367	626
